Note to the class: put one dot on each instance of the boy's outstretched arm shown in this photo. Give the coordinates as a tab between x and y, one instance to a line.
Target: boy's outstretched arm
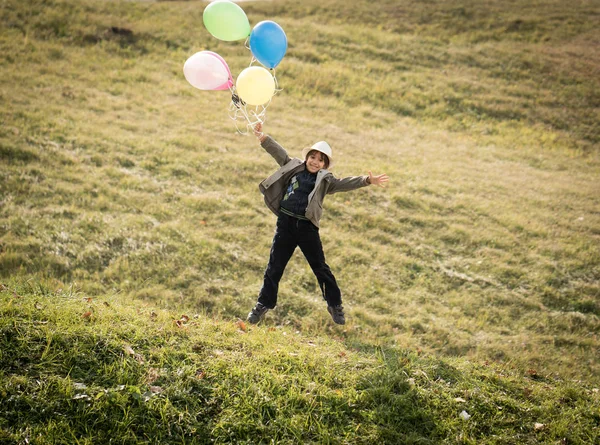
379	180
354	182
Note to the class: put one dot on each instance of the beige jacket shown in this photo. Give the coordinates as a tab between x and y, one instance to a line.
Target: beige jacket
273	188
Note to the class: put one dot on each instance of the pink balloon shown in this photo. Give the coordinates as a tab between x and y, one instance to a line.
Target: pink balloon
207	70
229	82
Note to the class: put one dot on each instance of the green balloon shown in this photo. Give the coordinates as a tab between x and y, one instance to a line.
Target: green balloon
226	21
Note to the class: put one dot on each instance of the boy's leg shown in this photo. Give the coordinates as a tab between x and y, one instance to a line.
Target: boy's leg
284	244
309	241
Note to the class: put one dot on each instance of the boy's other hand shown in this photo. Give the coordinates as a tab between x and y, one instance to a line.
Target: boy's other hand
379	180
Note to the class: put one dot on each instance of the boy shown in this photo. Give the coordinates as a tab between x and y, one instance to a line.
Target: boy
295	194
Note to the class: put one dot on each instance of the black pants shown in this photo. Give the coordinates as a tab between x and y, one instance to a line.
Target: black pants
292	232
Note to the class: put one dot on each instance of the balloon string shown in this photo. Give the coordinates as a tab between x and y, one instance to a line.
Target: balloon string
277	89
252	117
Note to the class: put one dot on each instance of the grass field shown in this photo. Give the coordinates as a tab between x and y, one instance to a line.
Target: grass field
474	276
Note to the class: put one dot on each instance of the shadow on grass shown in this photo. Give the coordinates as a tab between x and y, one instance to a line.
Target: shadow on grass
401	414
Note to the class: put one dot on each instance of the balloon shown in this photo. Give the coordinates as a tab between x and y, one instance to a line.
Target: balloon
226	21
268	43
207	71
229	82
255	85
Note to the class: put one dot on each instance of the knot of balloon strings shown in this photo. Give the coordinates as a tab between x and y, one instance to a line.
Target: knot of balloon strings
237	101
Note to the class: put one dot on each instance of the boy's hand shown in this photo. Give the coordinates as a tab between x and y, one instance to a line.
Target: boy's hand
379	180
258	132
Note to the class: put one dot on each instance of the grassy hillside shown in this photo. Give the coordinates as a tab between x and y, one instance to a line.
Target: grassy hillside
121	183
83	370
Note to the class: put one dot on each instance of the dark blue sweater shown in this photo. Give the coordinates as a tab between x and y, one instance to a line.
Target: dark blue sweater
295	198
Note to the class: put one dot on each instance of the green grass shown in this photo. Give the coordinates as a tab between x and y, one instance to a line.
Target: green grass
120	182
96	370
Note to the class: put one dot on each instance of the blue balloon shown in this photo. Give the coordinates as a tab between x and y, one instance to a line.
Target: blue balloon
268	43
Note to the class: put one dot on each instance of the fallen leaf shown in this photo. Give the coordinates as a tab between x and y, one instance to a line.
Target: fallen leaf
88	299
153	375
153	314
242	325
185	318
129	350
539	426
200	374
87	315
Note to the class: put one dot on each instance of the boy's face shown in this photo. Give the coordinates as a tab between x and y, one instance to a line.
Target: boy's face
315	161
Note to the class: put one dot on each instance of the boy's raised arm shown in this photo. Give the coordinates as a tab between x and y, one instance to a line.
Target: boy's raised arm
271	146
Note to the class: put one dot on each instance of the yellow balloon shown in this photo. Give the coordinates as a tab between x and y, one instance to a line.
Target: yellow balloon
255	85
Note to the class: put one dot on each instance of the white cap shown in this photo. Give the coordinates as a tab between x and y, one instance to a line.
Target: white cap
321	146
